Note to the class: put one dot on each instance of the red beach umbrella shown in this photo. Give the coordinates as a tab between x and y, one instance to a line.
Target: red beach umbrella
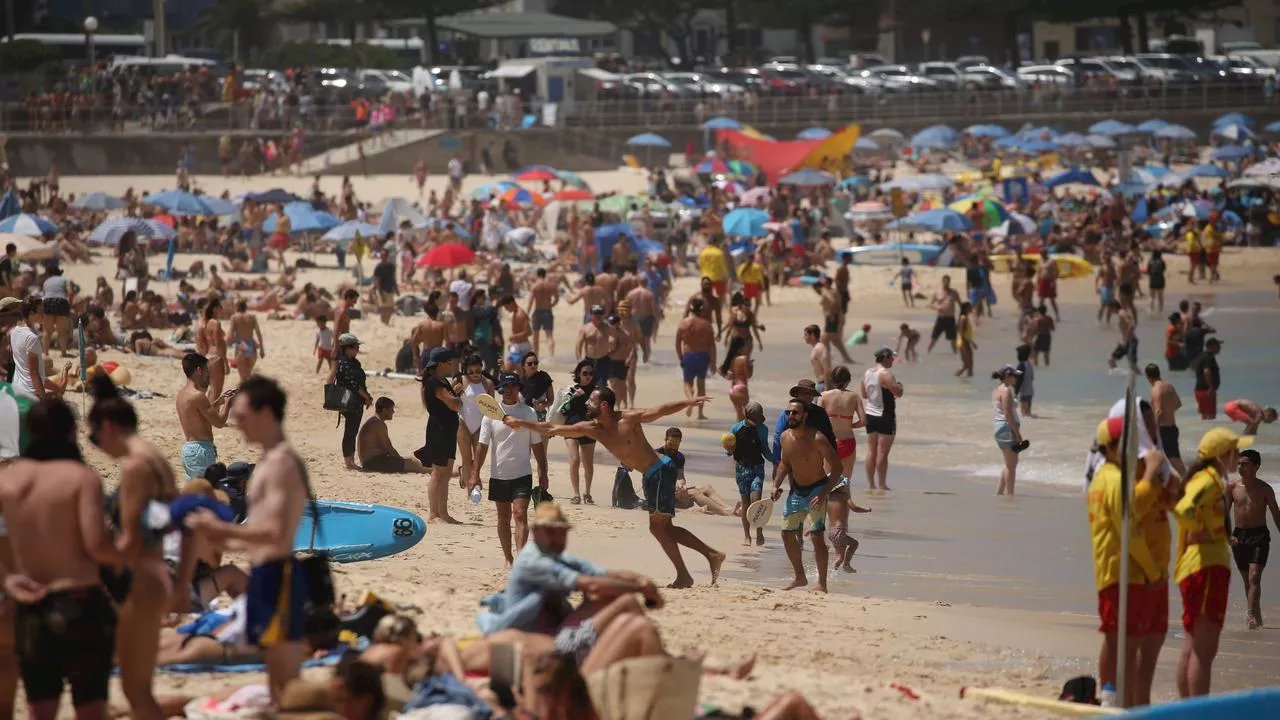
573	194
448	255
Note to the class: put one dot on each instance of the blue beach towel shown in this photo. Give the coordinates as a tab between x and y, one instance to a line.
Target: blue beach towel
195	668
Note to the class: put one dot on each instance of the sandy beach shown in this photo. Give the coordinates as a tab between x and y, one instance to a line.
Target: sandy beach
955	587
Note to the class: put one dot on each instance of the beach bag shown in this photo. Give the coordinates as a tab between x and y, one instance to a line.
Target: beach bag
339	399
624	492
747	450
315	567
655	687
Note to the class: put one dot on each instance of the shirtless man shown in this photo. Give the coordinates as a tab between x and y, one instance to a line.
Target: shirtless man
373	443
804	454
622	359
426	336
198	417
628	282
543	296
911	338
518	336
595	342
709	308
832	319
820	355
1248	500
591	295
342	313
457	324
944	302
622	433
277	497
246	338
1104	283
1047	286
607	281
644	307
53	509
1165	402
1128	345
696	348
1250	413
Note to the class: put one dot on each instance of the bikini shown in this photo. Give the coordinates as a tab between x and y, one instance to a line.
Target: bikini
845	447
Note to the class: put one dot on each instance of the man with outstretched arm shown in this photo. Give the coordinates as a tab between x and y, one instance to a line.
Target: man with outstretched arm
622	433
804	453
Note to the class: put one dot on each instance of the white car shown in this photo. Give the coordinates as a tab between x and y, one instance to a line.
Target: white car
1047	74
396	81
704	84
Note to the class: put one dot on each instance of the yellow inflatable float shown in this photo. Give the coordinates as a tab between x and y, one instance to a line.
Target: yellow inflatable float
1069	266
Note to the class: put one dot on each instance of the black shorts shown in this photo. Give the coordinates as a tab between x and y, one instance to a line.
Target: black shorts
69	636
391	464
844	300
646	325
831	324
57	307
1169	439
506	491
603	367
659	486
1253	547
1043	342
441	447
882	425
944	325
618	369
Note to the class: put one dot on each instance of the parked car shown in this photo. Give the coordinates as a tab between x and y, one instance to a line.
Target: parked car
964	62
900	78
993	78
746	78
705	84
395	80
1047	74
655	85
854	83
1246	66
259	79
1089	68
1167	68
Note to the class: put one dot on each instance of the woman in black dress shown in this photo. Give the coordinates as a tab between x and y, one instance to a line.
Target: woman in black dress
441	398
348	373
536	386
582	450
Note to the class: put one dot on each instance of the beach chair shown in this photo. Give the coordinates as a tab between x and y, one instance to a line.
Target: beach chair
632	162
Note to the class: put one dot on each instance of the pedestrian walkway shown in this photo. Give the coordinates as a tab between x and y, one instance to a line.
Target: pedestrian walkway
350	152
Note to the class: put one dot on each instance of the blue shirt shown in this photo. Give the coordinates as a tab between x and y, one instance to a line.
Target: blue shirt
816	418
552	577
763	434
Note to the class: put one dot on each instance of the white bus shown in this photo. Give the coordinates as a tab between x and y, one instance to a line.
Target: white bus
75	47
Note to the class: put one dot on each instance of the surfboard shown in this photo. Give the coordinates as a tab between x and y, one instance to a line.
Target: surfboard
354	532
914	253
1260	703
389	373
1013	697
1069	266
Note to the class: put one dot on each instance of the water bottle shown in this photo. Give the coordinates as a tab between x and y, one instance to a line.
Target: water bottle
475	495
1108	696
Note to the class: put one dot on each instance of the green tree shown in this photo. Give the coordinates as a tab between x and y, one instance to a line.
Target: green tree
245	24
348	14
1008	15
1166	12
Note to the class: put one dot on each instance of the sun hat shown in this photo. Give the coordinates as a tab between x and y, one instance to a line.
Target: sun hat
805	385
9	303
348	340
1220	441
550	515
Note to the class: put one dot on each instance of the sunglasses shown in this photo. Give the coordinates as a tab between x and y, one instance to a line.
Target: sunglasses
531	363
587	373
795	412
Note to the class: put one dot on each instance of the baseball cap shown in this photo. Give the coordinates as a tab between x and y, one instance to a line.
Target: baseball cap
9	303
508	378
549	514
348	340
805	385
1220	441
439	355
754	411
884	353
1212	341
1110	431
1008	369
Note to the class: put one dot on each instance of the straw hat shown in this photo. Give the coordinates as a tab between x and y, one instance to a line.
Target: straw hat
550	515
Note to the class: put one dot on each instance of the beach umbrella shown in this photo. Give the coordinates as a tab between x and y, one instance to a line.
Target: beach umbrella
1182	210
447	255
537	173
808	177
1141	176
1230	152
1172	180
1007	142
732	187
1158	171
571	178
1111	127
865	211
453	226
1074	176
9	205
721	123
1039	147
274	196
936	220
1016	224
866	144
27	224
112	229
1072	140
303	218
919	183
986	131
1233	132
347	231
520	196
179	202
741	168
1100	142
1175	132
648	140
993	213
607	236
1270	166
752	197
1272	127
888	135
571	194
29	248
483	192
813	133
935	138
855	181
1208	170
220	207
711	166
1232	118
1150	126
745	222
98	202
1043	132
619	204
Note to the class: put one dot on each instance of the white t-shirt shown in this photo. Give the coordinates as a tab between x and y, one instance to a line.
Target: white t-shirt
464	289
324	338
24	340
508	448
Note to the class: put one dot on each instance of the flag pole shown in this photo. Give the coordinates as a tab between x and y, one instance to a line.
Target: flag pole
1128	469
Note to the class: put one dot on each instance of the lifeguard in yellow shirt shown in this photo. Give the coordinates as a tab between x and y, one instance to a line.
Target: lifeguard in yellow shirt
1203	567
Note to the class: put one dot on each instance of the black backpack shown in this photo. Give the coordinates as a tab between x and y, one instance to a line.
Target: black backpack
624	492
747	449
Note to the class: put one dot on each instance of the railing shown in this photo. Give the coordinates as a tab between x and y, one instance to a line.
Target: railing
1049	105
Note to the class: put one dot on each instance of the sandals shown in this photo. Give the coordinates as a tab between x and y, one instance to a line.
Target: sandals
587	499
575	500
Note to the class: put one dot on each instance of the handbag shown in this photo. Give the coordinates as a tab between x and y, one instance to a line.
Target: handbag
315	566
339	398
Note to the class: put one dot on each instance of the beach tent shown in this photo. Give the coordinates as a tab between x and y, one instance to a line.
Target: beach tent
303	218
398	210
607	236
1073	176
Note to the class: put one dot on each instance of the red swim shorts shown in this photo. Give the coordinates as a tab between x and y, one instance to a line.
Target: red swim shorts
1204	593
1213	259
1138	621
846	447
751	290
1158	601
719	287
1233	411
1207	403
324	353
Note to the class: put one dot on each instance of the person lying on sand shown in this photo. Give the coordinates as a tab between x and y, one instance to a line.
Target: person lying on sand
141	343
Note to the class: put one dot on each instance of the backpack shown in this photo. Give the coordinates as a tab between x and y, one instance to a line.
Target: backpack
747	449
624	492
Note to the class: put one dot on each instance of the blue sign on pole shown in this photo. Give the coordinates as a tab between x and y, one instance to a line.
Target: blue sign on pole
1016	190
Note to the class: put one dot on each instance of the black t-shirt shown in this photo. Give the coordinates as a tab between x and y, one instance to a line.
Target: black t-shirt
973	276
1155	271
1193	341
677	457
6	271
535	386
384	273
1207	361
440	417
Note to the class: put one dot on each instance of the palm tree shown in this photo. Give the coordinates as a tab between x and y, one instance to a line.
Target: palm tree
245	24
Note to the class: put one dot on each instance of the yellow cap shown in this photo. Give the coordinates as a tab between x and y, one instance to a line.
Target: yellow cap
1220	441
1110	430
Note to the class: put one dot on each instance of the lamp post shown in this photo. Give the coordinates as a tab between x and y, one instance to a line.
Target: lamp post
90	27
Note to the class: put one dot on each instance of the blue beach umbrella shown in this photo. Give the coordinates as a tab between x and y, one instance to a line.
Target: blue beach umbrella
1272	127
1039	147
98	202
9	205
1100	142
1208	170
866	144
453	225
219	206
1232	118
1072	140
27	224
274	196
494	189
808	177
721	123
303	218
1175	132
856	181
1152	125
1233	132
1038	133
648	140
888	135
571	178
347	231
986	131
1074	176
1111	127
1230	152
937	220
813	133
1007	143
745	222
180	202
936	137
112	229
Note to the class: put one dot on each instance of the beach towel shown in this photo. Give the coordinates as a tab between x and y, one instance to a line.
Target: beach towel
213	667
446	690
657	686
